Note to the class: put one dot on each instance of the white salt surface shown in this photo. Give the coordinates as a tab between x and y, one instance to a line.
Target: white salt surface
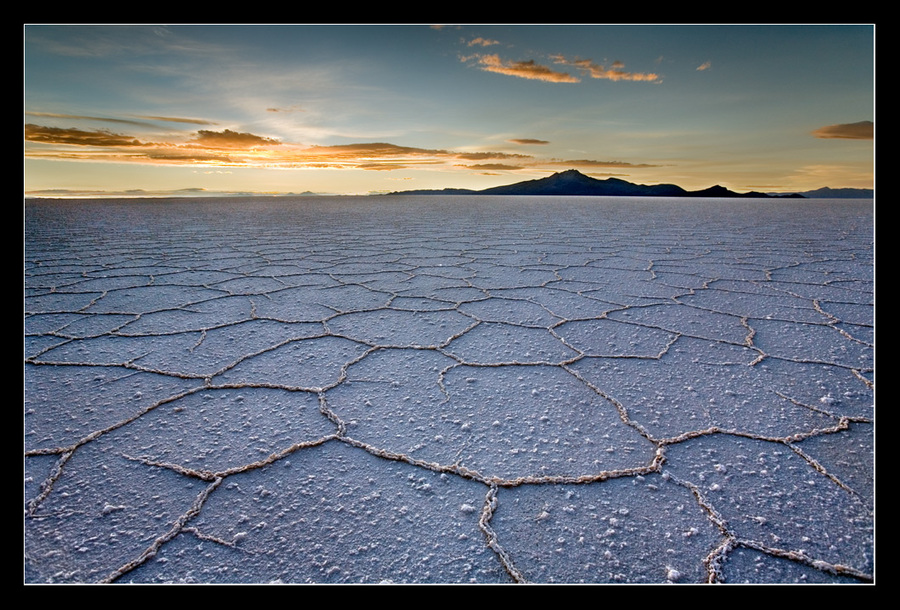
449	390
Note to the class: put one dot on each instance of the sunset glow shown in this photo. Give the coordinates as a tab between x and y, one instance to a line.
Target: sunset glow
376	108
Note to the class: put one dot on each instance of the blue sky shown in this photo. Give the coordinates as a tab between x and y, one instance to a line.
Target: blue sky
356	109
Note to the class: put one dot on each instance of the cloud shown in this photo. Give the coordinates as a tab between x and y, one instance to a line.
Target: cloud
173	119
706	65
596	163
231	139
493	166
294	108
527	141
479	156
522	69
80	117
181	155
209	147
383	155
382	166
368	151
614	73
229	148
77	137
482	42
142	123
532	70
863	130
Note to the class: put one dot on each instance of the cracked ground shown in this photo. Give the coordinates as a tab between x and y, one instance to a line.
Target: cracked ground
449	390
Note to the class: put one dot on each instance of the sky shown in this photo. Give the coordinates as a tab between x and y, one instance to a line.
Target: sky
178	110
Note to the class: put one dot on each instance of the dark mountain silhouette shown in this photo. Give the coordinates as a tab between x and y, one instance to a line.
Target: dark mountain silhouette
844	193
573	182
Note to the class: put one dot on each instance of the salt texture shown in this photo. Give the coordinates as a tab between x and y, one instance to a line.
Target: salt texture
449	390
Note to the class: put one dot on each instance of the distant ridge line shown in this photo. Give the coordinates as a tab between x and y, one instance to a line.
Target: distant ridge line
573	182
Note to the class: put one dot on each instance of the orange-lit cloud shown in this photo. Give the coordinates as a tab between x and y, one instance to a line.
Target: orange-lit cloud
863	130
181	155
596	163
482	42
77	137
386	156
382	166
479	156
493	166
706	65
522	69
535	71
229	148
369	150
231	139
614	73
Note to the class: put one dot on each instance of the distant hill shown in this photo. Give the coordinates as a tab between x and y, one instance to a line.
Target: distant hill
573	182
829	193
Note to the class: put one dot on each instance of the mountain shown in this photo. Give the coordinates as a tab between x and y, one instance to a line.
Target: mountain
573	182
846	193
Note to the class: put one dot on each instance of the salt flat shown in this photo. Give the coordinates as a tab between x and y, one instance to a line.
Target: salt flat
449	390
